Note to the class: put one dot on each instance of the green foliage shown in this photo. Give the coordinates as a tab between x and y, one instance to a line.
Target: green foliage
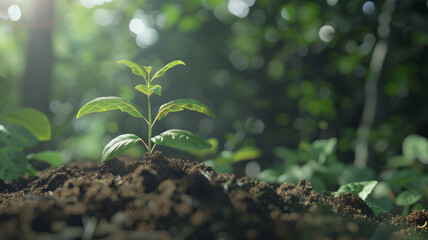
103	104
19	129
36	122
162	71
16	135
316	162
13	163
52	158
181	104
135	68
359	189
181	139
241	154
239	148
153	89
407	198
175	138
119	145
415	148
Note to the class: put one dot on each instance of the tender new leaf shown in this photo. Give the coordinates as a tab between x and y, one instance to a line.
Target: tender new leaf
153	89
135	68
103	104
181	104
162	71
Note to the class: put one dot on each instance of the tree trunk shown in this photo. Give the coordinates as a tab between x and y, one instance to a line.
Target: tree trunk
37	77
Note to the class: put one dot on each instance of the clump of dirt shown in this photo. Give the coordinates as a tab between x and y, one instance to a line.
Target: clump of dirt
167	198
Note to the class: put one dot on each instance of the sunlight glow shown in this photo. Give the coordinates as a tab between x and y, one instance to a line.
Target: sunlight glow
93	3
240	8
14	12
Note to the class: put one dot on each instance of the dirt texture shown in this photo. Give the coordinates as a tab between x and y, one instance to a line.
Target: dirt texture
167	198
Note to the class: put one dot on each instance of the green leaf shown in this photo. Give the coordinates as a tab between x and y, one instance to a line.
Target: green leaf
201	154
350	174
407	198
322	148
172	14
31	171
136	69
162	71
400	161
219	168
103	104
359	189
416	147
148	69
13	163
50	157
153	89
270	175
246	153
379	205
34	121
181	139
181	104
119	145
16	135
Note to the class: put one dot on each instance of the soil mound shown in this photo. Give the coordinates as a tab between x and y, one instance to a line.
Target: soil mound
167	198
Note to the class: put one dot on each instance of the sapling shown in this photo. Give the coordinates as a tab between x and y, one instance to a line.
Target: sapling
175	138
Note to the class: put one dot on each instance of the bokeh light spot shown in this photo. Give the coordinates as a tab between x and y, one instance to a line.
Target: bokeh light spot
14	12
148	37
93	3
259	17
238	60
272	35
103	17
252	169
332	3
285	14
238	8
137	26
326	33
369	8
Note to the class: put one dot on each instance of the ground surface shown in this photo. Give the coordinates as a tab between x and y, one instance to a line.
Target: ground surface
166	198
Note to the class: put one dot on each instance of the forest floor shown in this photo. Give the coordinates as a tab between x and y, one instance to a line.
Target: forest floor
167	198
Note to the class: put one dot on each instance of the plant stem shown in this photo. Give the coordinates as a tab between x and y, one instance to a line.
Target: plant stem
149	141
405	211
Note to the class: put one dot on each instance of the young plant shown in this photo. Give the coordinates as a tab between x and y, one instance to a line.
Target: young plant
175	138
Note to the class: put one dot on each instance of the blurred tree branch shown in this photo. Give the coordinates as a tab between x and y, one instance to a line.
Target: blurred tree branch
371	89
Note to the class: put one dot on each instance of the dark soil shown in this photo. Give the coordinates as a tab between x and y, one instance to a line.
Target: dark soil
167	198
